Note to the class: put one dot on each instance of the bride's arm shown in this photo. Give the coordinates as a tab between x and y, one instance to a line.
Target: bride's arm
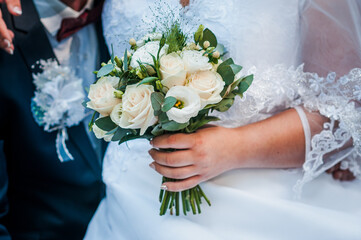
277	142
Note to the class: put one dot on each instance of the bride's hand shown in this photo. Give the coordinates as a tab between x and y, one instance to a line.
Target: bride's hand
200	156
277	142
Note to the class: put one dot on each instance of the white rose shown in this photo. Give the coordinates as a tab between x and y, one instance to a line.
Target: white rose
190	104
208	85
137	109
143	54
101	134
172	70
194	61
101	95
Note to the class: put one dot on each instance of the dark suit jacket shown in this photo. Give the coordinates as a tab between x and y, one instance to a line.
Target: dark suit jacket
40	198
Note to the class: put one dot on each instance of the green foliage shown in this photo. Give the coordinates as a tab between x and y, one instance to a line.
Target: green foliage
148	80
105	123
157	99
106	69
173	126
175	38
198	35
209	36
168	103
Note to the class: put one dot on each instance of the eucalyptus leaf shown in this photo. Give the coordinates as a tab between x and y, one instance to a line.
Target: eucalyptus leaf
229	61
209	36
106	69
157	99
120	133
235	68
105	123
224	105
148	80
173	126
245	84
157	130
84	104
168	103
163	118
227	74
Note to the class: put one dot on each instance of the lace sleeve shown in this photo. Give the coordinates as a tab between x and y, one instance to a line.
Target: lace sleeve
332	120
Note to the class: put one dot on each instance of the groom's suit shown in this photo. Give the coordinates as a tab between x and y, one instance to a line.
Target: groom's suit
40	197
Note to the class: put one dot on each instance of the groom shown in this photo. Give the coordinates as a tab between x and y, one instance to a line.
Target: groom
40	197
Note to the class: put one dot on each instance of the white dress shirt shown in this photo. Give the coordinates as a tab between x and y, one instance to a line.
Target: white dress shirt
79	51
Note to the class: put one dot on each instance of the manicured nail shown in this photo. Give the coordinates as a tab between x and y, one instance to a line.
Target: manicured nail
7	42
10	51
152	166
164	187
151	142
17	10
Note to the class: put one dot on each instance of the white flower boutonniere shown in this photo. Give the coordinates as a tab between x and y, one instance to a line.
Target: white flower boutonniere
57	103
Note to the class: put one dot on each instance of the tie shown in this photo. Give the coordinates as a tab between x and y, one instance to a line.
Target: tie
69	26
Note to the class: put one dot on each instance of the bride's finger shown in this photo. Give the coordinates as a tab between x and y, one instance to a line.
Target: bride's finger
182	185
177	141
180	158
175	173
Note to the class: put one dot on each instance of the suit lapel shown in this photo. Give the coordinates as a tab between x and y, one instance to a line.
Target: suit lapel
33	44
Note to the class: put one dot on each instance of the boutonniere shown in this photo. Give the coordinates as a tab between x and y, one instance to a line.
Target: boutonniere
57	103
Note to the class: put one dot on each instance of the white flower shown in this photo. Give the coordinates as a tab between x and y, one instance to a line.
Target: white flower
116	114
137	108
143	54
101	134
101	95
208	85
194	61
172	70
190	101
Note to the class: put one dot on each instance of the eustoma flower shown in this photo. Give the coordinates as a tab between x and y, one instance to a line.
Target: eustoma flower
188	104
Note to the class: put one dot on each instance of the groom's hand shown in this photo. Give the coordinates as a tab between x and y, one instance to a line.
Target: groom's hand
6	35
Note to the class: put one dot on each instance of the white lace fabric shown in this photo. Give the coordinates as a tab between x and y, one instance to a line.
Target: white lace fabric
269	51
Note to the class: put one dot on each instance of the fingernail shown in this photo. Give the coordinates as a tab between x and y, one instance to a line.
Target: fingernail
164	187
152	166
151	142
17	10
7	42
10	51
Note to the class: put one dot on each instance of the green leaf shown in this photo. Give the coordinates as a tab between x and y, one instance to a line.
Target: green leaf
157	99
168	103
105	123
225	104
148	80
106	69
235	68
91	123
112	56
84	104
125	64
198	35
157	130
227	74
120	133
173	126
229	61
245	84
209	36
198	124
163	118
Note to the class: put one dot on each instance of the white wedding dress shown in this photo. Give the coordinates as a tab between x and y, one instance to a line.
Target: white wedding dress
268	38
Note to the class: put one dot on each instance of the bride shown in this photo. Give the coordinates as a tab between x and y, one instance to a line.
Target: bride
263	165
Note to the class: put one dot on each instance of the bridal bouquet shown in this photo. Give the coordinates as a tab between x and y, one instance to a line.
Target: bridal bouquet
165	84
